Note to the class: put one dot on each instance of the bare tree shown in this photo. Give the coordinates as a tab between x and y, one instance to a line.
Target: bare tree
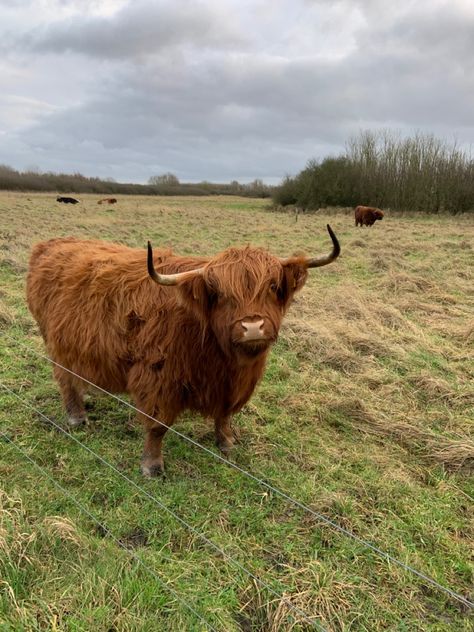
164	178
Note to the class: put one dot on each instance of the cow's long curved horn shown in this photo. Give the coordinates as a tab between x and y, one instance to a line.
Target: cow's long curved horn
316	262
336	250
168	279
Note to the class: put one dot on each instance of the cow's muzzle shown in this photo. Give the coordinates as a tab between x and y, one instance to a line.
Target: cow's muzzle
253	330
251	336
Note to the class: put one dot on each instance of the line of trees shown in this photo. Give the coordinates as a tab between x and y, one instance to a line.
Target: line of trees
165	184
421	173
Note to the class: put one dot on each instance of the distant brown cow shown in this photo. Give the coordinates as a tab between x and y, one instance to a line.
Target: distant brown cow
175	332
108	201
367	215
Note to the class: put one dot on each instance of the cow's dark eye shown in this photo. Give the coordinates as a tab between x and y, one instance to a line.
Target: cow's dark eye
212	298
273	288
215	297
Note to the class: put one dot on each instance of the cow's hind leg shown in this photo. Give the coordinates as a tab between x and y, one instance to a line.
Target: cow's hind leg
72	392
224	435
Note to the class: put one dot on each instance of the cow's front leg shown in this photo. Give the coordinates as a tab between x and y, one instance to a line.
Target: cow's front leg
224	435
152	460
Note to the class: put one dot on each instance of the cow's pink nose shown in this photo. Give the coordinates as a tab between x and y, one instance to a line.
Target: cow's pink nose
253	330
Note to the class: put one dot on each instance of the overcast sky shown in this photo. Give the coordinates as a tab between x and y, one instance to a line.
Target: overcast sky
225	89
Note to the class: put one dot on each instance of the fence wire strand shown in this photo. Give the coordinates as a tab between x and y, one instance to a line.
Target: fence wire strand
107	531
296	503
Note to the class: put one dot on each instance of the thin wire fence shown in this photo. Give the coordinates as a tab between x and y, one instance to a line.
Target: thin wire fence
107	531
307	618
389	558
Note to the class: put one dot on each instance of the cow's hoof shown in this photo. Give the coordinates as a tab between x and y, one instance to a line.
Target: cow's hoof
225	448
74	421
152	470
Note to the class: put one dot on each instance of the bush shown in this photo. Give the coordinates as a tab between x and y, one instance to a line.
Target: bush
421	173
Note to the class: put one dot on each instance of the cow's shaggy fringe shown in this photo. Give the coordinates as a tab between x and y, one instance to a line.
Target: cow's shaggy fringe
237	270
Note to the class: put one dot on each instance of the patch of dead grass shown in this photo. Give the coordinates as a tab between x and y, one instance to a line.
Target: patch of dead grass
13	265
345	331
434	387
402	282
63	528
358	243
454	454
316	342
7	316
324	596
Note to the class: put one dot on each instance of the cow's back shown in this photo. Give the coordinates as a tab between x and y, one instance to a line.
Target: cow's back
44	276
82	293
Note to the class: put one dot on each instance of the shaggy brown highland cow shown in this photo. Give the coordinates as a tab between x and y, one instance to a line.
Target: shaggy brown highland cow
367	215
175	332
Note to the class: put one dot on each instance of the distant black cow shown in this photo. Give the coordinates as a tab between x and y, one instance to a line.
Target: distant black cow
67	200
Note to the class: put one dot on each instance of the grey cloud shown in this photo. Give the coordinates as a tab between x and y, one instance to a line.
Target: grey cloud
139	29
202	129
442	33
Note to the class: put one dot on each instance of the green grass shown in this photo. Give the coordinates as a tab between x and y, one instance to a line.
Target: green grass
364	414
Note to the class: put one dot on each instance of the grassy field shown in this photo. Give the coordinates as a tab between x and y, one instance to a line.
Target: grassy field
364	414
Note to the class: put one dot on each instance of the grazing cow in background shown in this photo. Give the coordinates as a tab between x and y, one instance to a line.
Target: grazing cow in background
175	332
367	215
67	200
108	201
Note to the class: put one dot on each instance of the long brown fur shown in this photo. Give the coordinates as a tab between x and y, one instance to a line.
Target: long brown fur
172	348
367	215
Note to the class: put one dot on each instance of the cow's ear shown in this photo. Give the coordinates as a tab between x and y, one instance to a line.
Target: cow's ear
294	277
195	296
